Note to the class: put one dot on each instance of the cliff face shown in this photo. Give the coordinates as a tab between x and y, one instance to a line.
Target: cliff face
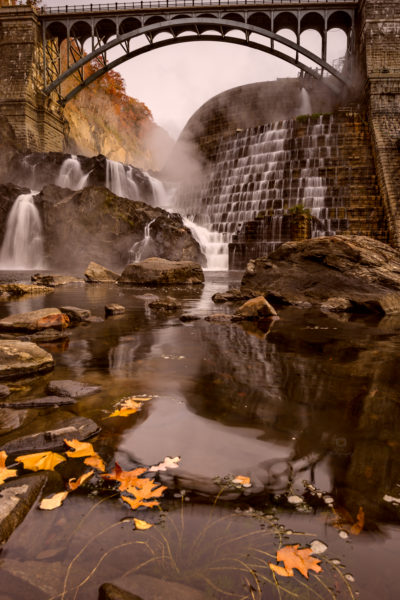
103	119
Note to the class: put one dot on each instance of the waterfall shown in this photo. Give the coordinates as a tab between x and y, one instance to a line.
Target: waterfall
305	103
211	244
120	181
138	250
71	175
22	246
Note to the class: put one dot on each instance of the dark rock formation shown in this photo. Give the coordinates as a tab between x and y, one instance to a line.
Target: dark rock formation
232	295
108	591
39	402
71	389
98	274
95	225
352	273
158	271
18	359
75	314
35	320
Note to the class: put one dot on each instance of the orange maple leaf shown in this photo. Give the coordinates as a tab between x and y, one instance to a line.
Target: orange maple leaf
125	478
293	558
96	462
4	472
73	483
143	492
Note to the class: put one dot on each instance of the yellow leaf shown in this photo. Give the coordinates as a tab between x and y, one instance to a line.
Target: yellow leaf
242	480
144	492
96	462
293	558
125	478
41	461
142	524
128	407
53	502
80	449
280	570
4	472
136	399
74	483
123	412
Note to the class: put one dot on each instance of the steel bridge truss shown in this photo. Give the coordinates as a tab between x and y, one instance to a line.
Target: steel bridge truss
108	27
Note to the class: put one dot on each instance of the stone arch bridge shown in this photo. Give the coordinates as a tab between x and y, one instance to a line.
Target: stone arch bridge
32	70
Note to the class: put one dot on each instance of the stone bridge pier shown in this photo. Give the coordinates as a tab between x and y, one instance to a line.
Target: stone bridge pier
379	52
37	119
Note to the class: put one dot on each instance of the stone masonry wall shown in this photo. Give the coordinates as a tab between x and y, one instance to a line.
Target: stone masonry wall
36	119
379	49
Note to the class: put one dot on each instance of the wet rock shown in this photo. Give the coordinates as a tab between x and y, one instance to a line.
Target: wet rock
35	321
40	402
108	591
75	314
189	318
71	389
165	304
114	309
94	319
232	295
16	499
18	359
54	280
356	269
78	428
159	271
4	391
22	289
336	305
96	273
159	589
219	318
11	419
47	336
255	309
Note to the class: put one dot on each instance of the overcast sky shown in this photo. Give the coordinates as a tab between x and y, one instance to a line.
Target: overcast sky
176	80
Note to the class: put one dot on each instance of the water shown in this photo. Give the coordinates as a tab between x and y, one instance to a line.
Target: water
314	398
142	249
22	246
71	175
212	246
305	103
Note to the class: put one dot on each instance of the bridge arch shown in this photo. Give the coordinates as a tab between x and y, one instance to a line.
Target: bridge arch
199	28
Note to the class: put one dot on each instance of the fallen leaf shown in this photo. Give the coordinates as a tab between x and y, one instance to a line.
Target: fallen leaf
4	472
41	461
142	524
80	449
358	526
126	478
144	491
168	463
74	483
293	558
123	412
96	462
53	501
242	480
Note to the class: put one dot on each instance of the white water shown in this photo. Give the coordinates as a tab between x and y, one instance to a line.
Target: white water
22	246
138	250
119	180
71	175
212	246
305	103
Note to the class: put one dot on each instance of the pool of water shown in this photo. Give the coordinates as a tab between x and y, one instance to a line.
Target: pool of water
307	407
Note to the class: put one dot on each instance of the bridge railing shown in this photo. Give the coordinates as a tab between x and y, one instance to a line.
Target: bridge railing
139	4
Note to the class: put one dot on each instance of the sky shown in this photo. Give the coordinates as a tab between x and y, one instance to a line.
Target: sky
176	80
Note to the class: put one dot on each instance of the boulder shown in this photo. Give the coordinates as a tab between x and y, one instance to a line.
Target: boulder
16	499
78	428
109	591
254	309
35	321
71	389
22	289
18	359
114	309
189	318
95	273
165	304
75	314
159	271
10	420
353	273
232	295
219	318
54	280
4	391
44	402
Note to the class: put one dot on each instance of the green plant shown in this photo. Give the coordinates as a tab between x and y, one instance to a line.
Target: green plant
298	210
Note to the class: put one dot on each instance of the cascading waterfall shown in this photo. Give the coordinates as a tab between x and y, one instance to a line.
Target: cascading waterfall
71	175
211	245
119	180
262	174
22	247
138	250
305	103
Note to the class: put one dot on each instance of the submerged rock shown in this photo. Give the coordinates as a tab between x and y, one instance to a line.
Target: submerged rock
16	499
109	591
159	271
54	280
18	359
352	273
155	588
255	309
232	295
114	309
96	273
72	389
40	402
75	314
78	428
22	289
35	321
165	304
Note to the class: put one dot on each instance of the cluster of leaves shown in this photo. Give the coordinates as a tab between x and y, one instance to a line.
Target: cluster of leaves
294	557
